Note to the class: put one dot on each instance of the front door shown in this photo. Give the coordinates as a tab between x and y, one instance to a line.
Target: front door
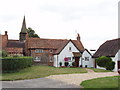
77	61
118	64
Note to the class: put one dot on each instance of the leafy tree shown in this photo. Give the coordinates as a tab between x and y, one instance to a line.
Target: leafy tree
105	62
31	33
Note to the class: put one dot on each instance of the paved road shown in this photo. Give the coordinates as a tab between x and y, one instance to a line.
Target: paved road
37	83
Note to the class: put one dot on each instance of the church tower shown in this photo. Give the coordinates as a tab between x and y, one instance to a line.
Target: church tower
23	32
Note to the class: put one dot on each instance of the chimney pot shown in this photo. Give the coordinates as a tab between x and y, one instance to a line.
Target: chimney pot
5	32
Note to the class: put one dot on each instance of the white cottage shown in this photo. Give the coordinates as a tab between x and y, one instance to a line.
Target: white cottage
72	53
110	48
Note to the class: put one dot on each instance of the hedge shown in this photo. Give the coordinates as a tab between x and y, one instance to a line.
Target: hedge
15	63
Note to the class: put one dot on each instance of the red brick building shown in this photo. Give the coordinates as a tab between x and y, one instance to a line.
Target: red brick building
41	49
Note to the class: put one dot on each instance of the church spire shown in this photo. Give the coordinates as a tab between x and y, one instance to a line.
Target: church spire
24	29
23	32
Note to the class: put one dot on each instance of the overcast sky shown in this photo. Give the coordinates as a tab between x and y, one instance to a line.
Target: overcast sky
95	20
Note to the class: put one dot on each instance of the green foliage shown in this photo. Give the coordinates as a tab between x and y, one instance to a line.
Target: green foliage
110	66
12	64
66	64
3	53
105	62
73	63
60	64
31	33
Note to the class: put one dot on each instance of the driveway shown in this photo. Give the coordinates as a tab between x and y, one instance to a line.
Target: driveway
37	83
76	79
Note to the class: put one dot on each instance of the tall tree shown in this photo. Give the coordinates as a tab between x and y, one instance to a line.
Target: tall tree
31	33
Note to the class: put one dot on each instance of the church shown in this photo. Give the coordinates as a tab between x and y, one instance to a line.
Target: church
50	52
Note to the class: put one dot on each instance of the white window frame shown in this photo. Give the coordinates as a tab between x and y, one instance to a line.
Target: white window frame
86	58
70	49
51	51
37	58
39	51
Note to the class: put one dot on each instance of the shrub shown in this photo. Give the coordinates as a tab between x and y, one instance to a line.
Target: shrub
105	62
110	66
10	64
60	64
3	53
66	64
73	63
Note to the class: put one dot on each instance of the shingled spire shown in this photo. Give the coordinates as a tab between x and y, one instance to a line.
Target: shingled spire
23	31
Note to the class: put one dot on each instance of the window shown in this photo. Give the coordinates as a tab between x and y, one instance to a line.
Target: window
86	58
37	59
38	51
51	59
82	58
70	48
51	51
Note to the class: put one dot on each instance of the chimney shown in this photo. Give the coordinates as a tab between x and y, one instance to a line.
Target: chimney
78	37
5	32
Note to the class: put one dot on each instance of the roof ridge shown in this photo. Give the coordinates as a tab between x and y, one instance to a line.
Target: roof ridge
113	39
52	39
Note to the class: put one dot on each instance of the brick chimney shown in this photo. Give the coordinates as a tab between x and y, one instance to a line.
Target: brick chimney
78	37
4	40
5	32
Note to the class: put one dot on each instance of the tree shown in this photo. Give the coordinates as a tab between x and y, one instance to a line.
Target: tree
105	62
31	33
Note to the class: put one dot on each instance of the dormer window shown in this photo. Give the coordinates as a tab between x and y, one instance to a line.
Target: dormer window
51	51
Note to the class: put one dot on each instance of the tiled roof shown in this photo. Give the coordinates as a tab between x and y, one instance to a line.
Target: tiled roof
15	44
16	50
109	48
57	44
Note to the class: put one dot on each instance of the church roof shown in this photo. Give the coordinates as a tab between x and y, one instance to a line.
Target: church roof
109	48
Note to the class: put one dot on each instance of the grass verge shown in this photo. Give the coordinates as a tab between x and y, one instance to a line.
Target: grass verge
100	70
39	72
103	83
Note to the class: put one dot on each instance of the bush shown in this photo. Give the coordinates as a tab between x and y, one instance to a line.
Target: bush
3	53
60	64
73	63
110	66
66	64
10	64
105	62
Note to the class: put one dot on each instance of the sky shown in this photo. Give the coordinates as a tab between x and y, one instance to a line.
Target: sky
95	20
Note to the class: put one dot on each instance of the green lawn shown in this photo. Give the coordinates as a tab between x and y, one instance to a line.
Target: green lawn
105	82
39	72
99	70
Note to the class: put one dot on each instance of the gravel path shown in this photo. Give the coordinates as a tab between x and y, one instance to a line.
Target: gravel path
78	78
